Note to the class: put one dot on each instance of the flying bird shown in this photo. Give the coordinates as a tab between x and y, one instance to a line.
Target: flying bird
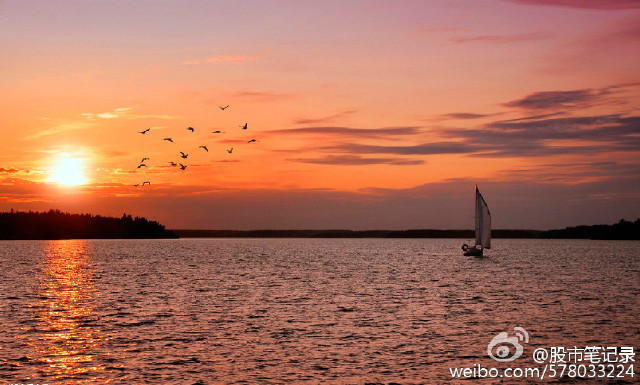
223	108
145	131
137	184
245	126
204	147
182	166
191	129
143	183
252	141
183	156
142	165
173	164
168	140
217	132
143	159
230	150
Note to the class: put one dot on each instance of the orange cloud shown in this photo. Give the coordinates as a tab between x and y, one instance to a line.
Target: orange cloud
11	170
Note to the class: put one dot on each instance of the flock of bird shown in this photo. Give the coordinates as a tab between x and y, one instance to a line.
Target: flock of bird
184	155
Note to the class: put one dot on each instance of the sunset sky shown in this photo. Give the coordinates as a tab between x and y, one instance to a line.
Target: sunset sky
366	114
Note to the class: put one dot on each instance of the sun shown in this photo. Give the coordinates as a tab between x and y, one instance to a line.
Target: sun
68	172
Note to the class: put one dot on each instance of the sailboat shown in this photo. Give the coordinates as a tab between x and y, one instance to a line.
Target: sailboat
483	228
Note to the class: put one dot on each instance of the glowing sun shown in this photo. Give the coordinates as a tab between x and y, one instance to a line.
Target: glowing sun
68	171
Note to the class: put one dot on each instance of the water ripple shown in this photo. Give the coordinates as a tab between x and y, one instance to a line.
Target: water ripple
296	310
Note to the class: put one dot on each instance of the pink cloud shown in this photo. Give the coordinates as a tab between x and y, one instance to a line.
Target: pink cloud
231	59
498	38
592	52
437	30
585	4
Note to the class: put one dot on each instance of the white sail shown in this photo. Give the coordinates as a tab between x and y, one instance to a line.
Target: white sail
483	222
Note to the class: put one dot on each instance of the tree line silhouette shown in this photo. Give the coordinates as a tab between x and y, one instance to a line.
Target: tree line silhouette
55	224
623	230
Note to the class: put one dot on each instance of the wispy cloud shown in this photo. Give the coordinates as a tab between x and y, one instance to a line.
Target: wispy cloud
554	136
117	113
593	49
125	113
353	160
89	120
588	135
584	4
228	59
353	132
436	148
464	116
325	119
574	172
59	128
550	131
261	96
629	30
20	190
10	170
553	100
345	145
232	59
429	31
498	38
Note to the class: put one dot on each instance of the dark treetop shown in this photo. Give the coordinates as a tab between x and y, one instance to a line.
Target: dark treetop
55	224
621	230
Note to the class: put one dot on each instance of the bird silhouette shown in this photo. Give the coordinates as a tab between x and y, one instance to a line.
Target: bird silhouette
252	141
217	132
184	156
137	184
245	126
230	150
168	140
204	147
182	166
223	108
143	183
191	129
144	131
173	164
142	165
143	159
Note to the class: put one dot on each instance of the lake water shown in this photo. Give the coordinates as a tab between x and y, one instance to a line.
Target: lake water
342	311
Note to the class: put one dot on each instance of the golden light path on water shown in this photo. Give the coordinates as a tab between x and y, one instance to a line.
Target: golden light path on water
66	340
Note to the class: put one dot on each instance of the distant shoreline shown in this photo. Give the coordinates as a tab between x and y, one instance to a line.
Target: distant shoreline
54	224
623	230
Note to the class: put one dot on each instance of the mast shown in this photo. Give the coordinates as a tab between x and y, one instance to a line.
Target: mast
478	217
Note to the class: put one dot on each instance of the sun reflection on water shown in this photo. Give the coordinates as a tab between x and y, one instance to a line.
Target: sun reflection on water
65	321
